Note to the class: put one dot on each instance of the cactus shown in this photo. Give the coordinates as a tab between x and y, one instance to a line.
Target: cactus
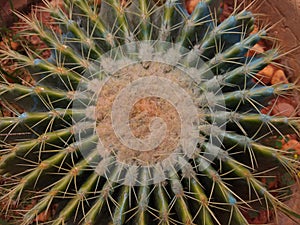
190	70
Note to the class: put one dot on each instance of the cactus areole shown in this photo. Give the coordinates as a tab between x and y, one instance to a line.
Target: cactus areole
143	114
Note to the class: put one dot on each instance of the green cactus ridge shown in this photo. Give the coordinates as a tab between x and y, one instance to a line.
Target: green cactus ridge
51	151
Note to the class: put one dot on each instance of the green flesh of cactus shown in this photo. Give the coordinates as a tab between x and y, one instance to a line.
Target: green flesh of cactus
43	160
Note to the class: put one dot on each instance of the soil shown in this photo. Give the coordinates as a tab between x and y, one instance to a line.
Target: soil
287	16
6	8
293	203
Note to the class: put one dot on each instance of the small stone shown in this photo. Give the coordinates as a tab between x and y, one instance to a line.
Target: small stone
9	42
43	216
255	29
266	110
292	144
14	45
283	109
2	45
256	49
58	3
35	40
279	77
265	75
190	5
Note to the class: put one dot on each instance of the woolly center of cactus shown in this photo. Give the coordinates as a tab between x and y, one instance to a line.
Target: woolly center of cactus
144	104
154	121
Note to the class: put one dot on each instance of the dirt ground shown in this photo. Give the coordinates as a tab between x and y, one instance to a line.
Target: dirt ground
294	203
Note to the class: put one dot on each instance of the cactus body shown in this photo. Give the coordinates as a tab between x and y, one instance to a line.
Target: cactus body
51	151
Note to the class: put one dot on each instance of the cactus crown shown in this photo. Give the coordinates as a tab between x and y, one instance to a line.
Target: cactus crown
143	112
